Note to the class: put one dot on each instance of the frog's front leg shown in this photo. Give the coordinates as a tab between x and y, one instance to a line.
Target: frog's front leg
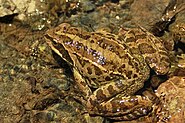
82	86
105	102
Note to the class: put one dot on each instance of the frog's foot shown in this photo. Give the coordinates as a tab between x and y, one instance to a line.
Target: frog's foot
121	108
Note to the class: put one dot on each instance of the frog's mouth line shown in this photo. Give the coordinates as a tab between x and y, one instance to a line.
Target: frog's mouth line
58	49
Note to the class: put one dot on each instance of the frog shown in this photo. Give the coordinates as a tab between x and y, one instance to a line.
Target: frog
109	69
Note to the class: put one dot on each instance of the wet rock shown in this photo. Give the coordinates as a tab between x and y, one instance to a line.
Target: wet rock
146	12
172	98
7	7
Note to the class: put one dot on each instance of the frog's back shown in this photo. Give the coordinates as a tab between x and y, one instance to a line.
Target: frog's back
150	47
100	57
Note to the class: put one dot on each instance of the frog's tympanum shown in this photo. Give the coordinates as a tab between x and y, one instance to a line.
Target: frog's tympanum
110	68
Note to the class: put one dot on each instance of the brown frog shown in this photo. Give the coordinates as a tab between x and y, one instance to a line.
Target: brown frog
109	69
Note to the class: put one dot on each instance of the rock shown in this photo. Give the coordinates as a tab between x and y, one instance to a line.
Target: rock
172	97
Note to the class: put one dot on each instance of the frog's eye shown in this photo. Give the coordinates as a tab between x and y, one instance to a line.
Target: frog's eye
64	29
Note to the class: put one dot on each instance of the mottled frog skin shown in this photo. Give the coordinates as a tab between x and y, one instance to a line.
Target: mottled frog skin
113	66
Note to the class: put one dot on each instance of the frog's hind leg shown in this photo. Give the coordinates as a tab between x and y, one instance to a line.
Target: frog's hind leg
113	101
123	108
128	108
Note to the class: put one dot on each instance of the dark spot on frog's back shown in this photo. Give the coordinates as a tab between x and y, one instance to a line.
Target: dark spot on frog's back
130	61
111	36
91	41
121	68
89	70
111	90
100	95
97	70
128	74
114	67
83	35
135	76
145	48
130	39
107	78
104	45
85	48
141	36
